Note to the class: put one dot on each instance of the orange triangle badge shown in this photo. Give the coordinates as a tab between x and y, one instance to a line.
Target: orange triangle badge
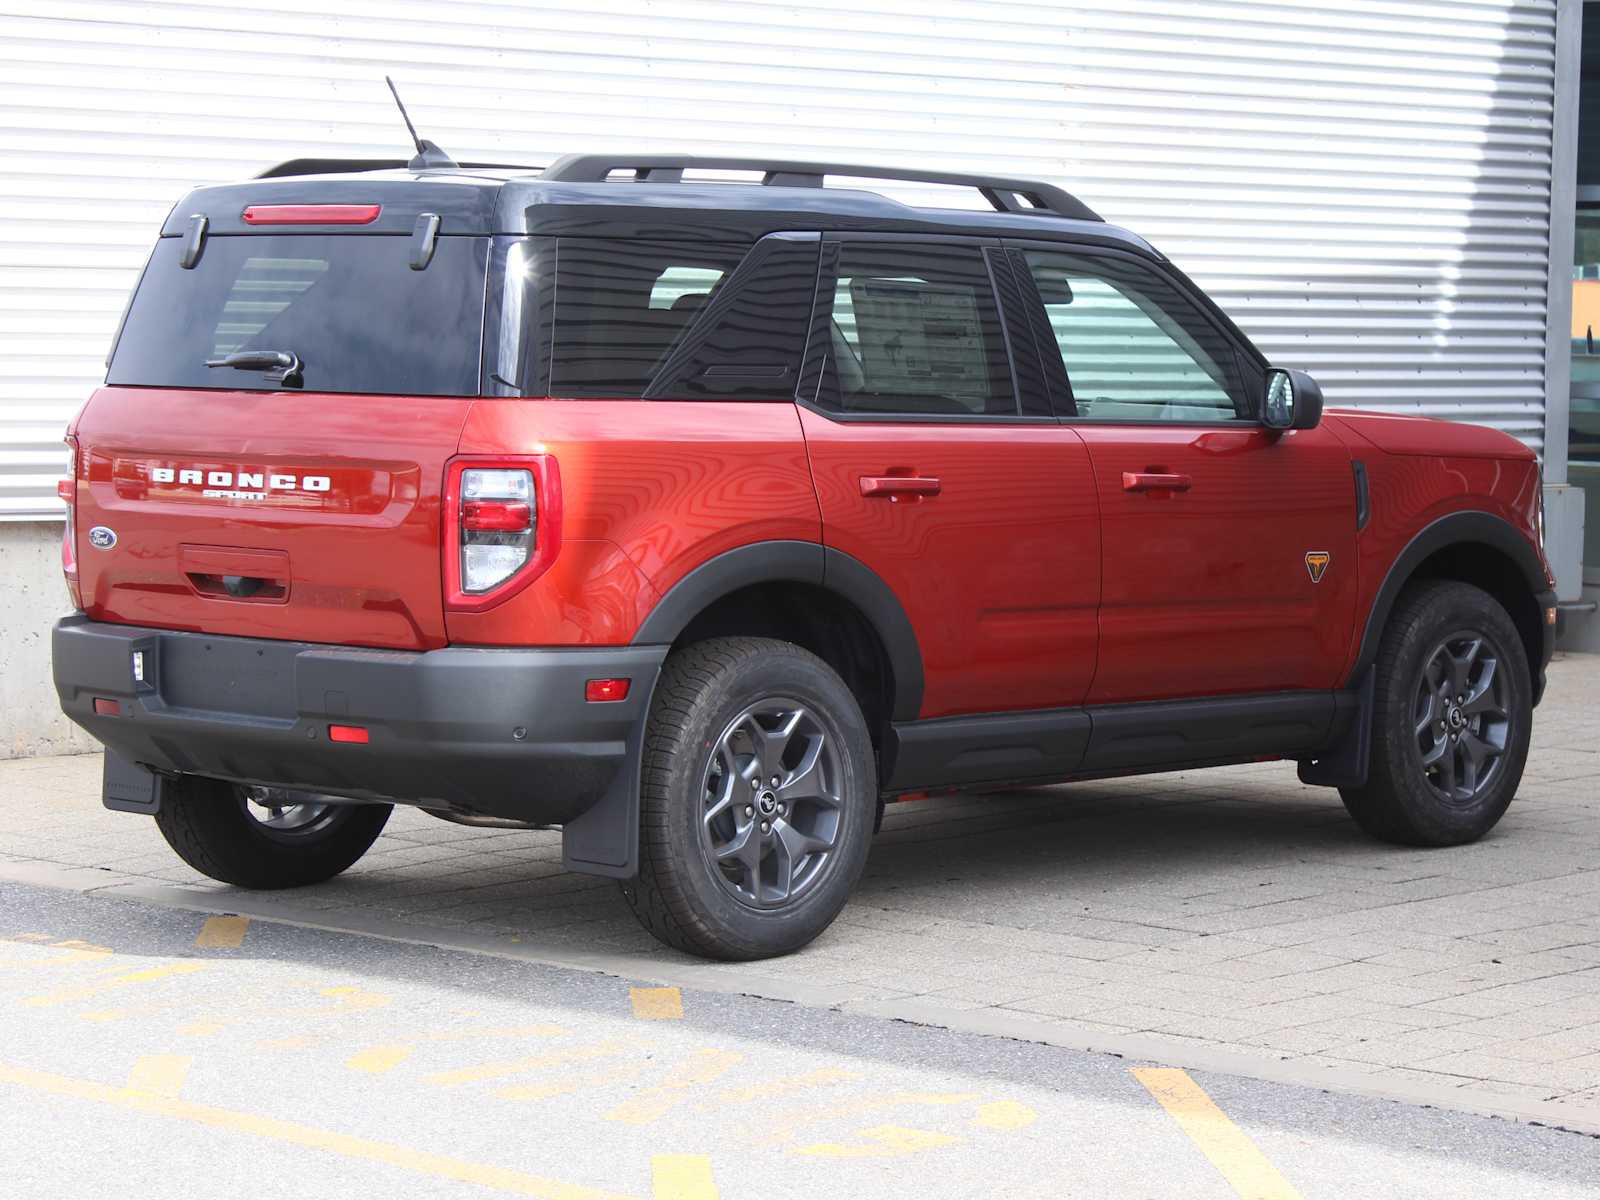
1317	564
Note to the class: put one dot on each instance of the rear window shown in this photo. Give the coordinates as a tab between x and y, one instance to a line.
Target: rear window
350	306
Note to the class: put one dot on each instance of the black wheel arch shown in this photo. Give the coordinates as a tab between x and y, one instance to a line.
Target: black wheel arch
1478	548
1474	547
811	566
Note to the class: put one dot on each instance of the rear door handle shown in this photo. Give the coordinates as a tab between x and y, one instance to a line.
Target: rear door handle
1151	481
892	486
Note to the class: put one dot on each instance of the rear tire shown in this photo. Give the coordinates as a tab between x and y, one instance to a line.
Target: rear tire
298	839
1452	715
757	800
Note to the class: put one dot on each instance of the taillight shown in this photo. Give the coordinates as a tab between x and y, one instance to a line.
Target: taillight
67	489
503	527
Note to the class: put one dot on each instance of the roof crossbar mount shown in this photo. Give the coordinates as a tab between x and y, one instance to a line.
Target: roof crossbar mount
1006	195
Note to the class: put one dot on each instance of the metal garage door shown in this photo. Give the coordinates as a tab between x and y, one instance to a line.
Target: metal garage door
1365	189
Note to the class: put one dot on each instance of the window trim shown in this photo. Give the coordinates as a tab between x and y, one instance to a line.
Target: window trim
818	342
1245	355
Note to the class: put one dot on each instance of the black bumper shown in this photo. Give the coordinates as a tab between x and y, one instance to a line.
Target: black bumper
1547	643
504	732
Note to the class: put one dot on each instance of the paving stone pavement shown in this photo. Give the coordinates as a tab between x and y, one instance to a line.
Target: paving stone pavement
1232	909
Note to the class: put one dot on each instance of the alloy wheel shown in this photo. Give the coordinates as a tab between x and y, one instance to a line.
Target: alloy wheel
1461	717
285	814
772	805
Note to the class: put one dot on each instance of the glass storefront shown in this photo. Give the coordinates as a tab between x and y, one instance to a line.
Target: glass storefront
1584	445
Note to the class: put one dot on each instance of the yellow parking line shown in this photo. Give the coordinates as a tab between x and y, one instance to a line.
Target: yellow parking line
485	1072
700	1068
682	1177
1230	1150
160	1074
657	1003
222	933
88	990
437	1166
378	1059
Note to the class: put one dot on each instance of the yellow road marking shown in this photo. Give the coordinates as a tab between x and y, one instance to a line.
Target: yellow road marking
222	933
867	1104
204	1028
1005	1114
27	937
160	1074
378	1059
771	1089
87	990
701	1067
563	1087
77	952
682	1177
657	1003
484	1072
494	1031
881	1141
1227	1146
350	996
438	1166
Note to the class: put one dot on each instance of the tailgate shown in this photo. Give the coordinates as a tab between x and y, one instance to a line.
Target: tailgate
270	514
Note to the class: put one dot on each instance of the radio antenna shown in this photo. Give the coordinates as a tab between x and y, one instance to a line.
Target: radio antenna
428	153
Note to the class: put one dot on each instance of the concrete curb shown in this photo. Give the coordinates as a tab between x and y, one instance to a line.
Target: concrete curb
738	980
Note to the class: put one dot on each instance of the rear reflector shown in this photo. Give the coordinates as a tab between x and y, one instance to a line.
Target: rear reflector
107	708
312	214
353	734
598	691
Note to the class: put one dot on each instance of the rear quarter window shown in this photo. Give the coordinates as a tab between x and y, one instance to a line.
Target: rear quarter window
681	320
350	306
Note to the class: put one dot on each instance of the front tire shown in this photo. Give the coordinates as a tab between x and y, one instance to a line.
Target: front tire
757	800
265	838
1452	716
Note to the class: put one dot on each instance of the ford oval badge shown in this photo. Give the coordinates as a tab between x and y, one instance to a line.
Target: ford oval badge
102	538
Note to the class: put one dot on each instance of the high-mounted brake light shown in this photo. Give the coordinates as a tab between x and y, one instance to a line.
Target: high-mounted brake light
502	527
67	489
311	214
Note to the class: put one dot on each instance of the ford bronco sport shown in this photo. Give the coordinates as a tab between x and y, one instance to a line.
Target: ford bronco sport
698	516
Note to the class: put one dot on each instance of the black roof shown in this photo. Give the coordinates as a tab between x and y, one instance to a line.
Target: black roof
579	195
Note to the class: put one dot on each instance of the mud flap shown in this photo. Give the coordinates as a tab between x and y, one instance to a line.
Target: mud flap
1344	763
128	787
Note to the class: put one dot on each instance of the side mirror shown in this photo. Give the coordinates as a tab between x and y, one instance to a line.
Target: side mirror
1293	401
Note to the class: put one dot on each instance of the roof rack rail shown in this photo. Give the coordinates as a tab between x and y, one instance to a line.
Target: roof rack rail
341	166
1007	195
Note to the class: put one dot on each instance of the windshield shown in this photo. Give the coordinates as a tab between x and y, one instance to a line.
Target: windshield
350	308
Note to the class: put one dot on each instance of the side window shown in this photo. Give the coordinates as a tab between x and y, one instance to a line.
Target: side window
1134	347
914	328
676	282
748	342
621	307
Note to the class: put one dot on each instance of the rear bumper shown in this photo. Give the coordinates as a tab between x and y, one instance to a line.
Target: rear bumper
443	725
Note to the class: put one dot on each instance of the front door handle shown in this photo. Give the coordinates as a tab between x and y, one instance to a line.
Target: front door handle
894	486
1154	481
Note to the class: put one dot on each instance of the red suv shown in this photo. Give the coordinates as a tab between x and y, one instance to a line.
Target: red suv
698	517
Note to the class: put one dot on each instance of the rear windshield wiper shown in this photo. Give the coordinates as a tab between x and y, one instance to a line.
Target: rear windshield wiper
281	366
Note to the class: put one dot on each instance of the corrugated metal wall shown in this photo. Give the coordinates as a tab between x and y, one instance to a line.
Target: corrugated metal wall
1364	187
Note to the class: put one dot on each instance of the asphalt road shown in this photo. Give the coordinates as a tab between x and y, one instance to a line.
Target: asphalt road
150	1051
